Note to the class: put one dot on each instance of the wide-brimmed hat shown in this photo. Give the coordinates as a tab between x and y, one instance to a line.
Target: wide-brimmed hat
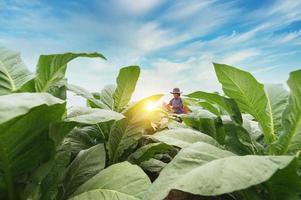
176	91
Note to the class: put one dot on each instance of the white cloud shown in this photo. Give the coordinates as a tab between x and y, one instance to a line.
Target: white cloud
289	37
278	14
289	9
190	75
137	7
183	9
264	69
151	37
164	40
237	57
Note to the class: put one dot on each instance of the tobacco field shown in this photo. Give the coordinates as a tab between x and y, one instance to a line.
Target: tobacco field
240	144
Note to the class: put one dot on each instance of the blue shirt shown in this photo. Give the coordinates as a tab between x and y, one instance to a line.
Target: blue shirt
177	105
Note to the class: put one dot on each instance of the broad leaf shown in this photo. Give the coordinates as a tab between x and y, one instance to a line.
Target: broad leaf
137	113
208	171
228	105
210	107
148	151
21	126
87	95
106	96
123	135
52	68
81	138
290	140
103	194
92	116
86	164
153	165
13	72
182	137
249	95
123	178
278	97
205	122
126	83
50	185
238	140
82	116
139	106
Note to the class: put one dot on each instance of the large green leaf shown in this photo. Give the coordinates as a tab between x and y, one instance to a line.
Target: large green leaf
50	185
249	95
290	140
51	69
205	122
24	139
123	135
148	151
152	165
86	164
84	115
189	158
139	106
137	112
13	72
103	194
182	137
106	96
126	83
122	178
210	107
208	171
238	140
227	104
87	95
278	97
81	138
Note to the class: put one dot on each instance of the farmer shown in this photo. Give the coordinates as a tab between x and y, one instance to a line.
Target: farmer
176	104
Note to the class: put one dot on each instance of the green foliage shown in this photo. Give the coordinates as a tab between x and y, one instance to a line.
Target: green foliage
290	139
224	148
51	69
123	135
126	83
122	178
181	137
13	73
24	139
209	171
249	95
86	164
148	151
226	104
92	116
207	123
278	97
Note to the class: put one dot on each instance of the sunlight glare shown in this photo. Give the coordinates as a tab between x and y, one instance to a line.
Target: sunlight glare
150	106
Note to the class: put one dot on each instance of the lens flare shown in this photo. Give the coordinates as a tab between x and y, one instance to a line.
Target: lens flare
150	106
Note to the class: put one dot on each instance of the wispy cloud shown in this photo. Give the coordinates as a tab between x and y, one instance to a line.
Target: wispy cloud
136	7
238	57
175	42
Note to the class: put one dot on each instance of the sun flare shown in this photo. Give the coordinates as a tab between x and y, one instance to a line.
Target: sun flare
150	106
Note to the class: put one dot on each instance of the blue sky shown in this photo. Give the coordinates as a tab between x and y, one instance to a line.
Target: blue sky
174	41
